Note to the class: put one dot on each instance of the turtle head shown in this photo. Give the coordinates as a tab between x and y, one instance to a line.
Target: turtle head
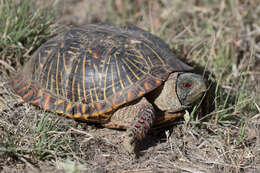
180	91
190	87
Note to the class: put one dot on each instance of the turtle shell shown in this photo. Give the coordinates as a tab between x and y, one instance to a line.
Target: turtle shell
89	71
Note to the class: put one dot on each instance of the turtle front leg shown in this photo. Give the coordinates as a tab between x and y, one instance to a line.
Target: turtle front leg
140	125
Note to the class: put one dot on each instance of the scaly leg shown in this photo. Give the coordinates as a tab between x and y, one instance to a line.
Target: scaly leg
140	125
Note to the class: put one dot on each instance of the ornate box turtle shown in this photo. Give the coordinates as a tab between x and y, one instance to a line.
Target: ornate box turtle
116	76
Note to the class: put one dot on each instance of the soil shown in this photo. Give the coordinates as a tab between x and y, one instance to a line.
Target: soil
181	147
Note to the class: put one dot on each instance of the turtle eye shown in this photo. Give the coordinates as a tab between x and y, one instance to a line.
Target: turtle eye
186	85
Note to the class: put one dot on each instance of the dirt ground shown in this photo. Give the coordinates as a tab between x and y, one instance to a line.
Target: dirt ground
182	147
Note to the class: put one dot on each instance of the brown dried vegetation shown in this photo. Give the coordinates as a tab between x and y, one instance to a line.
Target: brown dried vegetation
221	39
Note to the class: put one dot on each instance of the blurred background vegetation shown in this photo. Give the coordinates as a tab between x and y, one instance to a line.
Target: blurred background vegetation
219	38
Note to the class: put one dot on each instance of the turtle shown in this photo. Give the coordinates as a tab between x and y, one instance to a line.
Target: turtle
117	76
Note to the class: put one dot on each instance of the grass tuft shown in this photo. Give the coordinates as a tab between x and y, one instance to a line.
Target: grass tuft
24	26
220	39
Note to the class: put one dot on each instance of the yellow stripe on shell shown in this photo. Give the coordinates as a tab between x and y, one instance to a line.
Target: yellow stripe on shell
139	62
64	61
91	96
128	78
113	80
62	85
105	80
83	78
132	71
52	82
57	72
79	92
73	82
96	70
149	59
94	86
66	82
119	74
48	74
135	66
160	59
40	64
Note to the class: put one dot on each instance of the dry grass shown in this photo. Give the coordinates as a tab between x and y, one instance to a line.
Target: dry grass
221	39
